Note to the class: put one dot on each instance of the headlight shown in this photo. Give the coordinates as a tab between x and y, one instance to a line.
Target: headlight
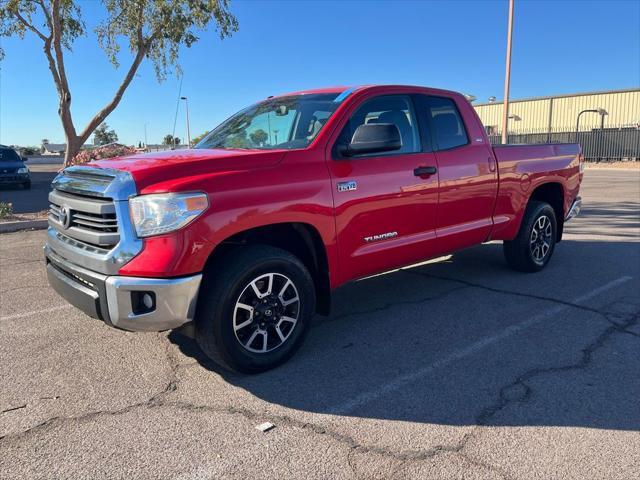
161	213
23	170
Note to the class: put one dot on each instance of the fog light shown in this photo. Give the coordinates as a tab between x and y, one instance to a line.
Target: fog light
147	300
143	302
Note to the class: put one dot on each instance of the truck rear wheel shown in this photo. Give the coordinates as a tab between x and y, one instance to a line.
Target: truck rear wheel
532	249
254	309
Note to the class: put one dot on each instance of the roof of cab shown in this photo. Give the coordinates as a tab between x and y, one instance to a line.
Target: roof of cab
351	89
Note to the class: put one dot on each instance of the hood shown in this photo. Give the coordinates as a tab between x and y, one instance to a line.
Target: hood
157	167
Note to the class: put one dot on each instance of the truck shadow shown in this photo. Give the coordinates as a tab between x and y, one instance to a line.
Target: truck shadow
428	344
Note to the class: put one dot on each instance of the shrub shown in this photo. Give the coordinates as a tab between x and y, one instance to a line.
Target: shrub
6	210
106	151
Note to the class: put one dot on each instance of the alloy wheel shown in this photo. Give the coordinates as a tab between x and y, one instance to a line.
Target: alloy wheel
266	312
541	238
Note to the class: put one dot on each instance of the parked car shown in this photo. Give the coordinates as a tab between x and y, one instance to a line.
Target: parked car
13	171
247	234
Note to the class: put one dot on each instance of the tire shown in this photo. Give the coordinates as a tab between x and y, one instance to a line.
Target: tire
529	251
26	185
226	331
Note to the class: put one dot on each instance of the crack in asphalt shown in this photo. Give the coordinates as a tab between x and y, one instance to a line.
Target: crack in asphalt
387	306
19	407
521	391
515	391
154	400
605	315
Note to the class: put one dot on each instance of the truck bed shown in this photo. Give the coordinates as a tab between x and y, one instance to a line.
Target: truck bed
521	169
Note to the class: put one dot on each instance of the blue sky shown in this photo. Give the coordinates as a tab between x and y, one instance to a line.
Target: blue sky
559	47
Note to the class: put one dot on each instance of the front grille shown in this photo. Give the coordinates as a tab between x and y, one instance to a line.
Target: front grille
86	219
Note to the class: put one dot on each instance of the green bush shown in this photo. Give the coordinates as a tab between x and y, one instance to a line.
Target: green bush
6	210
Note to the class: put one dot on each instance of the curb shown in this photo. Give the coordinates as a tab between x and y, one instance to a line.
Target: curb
10	227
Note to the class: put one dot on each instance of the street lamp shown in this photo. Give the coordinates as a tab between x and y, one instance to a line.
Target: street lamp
186	101
507	76
600	111
145	134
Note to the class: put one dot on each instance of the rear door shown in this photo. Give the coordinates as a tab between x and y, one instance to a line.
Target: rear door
385	212
467	175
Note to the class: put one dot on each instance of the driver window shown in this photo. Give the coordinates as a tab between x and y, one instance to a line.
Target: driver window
268	129
396	109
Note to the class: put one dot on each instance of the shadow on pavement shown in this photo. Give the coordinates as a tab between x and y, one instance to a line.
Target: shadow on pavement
391	326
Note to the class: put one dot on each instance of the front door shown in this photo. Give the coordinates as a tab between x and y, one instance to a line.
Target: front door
385	204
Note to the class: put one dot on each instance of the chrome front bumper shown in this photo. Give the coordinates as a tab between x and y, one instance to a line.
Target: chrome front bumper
576	206
111	298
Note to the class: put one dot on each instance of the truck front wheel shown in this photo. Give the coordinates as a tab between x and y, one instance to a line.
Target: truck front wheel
254	309
532	249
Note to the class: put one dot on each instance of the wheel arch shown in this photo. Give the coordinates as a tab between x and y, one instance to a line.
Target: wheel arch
300	239
553	194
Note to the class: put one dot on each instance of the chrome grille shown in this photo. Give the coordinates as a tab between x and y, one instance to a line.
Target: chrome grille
84	218
89	221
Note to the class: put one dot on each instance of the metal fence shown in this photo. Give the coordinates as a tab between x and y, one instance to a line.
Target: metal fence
608	144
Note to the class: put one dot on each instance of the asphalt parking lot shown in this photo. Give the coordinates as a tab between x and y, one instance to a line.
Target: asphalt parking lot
35	199
459	368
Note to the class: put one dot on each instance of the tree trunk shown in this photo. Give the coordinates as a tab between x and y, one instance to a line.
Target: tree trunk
53	44
73	148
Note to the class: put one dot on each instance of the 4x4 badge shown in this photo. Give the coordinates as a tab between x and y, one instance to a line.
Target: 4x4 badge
347	186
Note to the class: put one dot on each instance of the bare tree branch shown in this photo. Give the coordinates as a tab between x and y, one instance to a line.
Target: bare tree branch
56	33
143	47
47	15
109	107
29	26
47	45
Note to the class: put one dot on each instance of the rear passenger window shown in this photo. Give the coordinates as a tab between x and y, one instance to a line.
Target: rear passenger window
446	123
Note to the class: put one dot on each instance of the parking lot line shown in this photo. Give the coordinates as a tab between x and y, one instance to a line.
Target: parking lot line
403	380
35	312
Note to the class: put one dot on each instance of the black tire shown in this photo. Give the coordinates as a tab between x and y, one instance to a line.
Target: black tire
226	283
521	253
26	185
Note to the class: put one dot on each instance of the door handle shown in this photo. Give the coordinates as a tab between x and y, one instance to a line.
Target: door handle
424	171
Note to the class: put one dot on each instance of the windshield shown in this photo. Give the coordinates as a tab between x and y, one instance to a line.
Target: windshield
284	122
8	155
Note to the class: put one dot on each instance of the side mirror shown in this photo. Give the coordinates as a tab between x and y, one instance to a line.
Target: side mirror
24	159
373	138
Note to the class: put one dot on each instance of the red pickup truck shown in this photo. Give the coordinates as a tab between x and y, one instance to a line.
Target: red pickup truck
247	233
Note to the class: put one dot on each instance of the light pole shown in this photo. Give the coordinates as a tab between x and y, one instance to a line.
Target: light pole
186	101
145	134
507	76
600	111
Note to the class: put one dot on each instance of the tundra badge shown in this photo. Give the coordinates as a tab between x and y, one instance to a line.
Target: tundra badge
380	236
347	186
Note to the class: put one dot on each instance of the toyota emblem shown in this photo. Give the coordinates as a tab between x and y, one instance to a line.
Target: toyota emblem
65	217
